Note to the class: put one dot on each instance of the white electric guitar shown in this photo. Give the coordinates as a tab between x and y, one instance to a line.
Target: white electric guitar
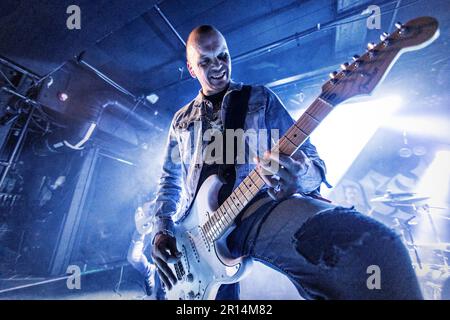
205	263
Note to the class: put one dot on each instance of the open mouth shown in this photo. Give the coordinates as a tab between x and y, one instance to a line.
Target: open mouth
218	76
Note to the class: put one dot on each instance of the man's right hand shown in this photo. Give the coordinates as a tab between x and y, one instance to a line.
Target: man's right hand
165	251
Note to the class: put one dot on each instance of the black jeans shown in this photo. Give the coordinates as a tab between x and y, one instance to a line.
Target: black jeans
328	252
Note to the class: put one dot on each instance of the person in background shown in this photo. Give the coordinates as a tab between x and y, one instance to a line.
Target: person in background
136	256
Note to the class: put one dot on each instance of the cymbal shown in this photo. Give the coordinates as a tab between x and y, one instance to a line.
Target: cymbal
394	195
399	199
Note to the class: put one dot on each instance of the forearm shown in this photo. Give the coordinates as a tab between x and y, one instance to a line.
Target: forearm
169	188
166	205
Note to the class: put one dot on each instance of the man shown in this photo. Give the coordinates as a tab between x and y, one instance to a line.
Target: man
136	256
326	251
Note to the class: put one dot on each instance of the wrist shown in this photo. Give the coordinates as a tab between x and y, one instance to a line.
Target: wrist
163	225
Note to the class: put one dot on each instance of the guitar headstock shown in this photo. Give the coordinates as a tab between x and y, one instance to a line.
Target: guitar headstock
367	71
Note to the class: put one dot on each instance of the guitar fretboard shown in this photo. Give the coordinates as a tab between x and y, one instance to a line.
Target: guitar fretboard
221	219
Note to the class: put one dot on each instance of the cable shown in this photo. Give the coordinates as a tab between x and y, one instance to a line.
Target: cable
320	27
129	112
117	286
49	74
7	80
35	122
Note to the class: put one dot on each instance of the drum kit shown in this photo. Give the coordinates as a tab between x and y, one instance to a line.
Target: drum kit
431	265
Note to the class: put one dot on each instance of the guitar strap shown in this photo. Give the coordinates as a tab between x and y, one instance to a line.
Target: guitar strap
234	118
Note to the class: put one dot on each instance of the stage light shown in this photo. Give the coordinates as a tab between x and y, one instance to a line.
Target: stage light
62	96
435	183
345	132
436	178
152	98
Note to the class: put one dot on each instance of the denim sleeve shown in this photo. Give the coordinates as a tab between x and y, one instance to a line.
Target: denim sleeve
169	187
277	117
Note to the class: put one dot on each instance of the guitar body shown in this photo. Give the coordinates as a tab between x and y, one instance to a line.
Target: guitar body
203	266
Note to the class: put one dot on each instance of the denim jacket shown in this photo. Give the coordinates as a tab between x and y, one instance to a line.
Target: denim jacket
185	146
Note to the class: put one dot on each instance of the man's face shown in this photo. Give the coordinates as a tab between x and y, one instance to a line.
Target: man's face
209	61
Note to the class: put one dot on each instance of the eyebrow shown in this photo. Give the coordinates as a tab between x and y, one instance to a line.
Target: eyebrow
207	57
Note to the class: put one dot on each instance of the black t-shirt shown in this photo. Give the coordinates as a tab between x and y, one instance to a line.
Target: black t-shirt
216	99
213	168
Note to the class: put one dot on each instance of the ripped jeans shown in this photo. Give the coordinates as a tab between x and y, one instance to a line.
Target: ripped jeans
328	252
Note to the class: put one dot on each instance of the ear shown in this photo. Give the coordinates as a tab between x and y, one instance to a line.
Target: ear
191	71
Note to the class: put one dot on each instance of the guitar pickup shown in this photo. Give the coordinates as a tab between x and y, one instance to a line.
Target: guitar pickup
179	270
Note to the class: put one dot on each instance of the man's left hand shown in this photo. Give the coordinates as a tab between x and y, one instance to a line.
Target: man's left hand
283	174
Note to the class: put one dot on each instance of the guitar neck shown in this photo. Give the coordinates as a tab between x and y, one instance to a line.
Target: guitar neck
358	78
289	143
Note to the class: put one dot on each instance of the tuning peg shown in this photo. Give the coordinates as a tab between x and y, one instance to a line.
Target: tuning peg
333	77
371	46
371	49
344	66
356	60
401	28
384	36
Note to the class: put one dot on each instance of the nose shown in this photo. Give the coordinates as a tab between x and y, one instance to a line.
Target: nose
216	63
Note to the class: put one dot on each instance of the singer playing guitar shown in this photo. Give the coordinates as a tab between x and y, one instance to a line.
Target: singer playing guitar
326	251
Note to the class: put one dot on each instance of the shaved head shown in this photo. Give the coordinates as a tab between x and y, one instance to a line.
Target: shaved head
208	58
199	34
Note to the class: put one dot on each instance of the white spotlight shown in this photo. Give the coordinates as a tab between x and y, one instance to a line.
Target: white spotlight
344	133
152	98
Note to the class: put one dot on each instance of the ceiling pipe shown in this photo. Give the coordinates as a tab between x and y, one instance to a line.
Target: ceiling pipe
163	16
